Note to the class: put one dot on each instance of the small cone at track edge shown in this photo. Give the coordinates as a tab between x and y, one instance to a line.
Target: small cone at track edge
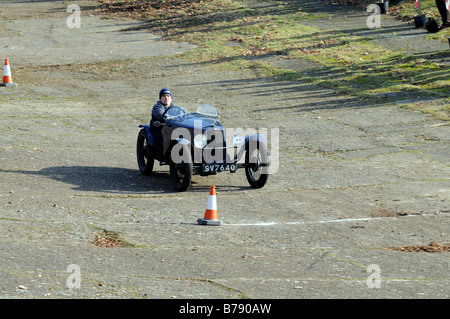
211	211
7	78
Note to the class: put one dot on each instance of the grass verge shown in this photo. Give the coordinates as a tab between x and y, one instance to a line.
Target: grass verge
249	34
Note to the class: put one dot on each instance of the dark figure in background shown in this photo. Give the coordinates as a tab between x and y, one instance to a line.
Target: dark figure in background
444	12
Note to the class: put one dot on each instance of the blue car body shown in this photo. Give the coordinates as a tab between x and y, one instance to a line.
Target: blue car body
183	132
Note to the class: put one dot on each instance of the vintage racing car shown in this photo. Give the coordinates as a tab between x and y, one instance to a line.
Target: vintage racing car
196	143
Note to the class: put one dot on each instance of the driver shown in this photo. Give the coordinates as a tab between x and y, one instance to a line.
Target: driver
164	103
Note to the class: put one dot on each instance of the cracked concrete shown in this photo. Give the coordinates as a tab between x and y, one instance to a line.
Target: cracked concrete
353	180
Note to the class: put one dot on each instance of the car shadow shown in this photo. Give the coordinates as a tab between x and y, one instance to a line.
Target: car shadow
115	180
105	179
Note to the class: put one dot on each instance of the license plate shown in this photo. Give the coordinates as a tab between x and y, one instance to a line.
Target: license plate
218	167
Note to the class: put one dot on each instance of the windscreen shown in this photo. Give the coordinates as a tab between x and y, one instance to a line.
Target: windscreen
175	111
207	109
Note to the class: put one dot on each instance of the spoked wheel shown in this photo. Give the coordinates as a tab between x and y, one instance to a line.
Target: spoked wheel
255	172
145	154
181	173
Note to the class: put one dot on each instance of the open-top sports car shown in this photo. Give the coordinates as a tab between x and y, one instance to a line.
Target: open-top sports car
196	143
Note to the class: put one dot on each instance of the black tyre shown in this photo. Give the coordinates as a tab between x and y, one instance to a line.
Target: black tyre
145	154
255	157
181	173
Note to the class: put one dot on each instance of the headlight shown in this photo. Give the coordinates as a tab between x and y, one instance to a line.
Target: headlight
238	140
200	141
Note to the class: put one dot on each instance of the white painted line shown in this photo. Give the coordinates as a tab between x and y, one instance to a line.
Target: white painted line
328	221
255	224
336	220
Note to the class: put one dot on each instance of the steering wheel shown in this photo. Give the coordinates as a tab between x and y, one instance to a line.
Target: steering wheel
174	107
163	119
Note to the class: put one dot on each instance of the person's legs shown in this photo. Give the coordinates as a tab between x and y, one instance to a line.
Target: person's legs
157	134
445	14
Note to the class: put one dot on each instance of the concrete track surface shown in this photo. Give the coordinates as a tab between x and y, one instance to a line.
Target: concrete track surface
354	180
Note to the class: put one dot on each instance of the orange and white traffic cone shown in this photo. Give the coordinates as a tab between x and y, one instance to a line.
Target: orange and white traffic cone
7	78
211	211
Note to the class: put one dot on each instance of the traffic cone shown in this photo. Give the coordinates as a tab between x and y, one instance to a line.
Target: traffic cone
211	210
7	78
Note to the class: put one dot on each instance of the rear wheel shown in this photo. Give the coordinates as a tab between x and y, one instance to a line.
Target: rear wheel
181	173
255	172
145	154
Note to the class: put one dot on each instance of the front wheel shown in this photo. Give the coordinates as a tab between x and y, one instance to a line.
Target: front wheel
145	154
181	173
255	158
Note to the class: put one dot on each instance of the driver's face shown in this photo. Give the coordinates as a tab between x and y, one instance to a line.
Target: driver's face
166	99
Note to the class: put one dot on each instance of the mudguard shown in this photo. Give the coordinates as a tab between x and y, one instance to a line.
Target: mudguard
150	138
251	139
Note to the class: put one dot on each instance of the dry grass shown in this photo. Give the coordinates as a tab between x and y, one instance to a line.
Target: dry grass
235	35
